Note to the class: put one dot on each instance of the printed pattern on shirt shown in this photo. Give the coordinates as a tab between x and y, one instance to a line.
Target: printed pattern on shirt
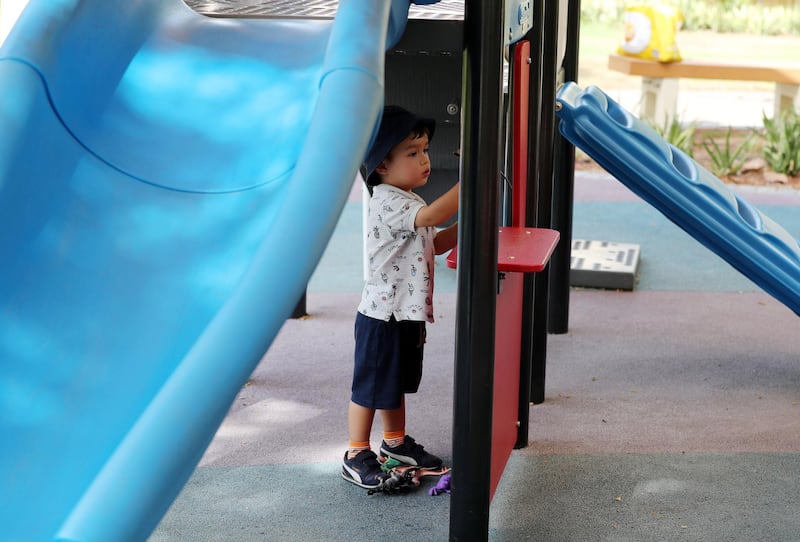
400	257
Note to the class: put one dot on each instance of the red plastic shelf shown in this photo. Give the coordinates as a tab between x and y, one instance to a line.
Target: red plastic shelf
520	250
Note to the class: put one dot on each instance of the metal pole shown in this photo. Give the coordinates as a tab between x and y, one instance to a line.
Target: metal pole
477	268
564	189
545	194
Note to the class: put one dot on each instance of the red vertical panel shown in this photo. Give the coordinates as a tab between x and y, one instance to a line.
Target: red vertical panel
508	339
508	325
522	68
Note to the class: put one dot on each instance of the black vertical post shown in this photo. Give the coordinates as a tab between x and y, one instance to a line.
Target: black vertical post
563	193
300	309
477	269
536	37
545	193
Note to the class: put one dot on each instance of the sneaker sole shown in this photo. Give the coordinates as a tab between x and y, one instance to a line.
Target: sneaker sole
356	482
406	460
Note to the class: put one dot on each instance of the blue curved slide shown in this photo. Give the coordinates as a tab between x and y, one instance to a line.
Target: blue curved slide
685	192
168	183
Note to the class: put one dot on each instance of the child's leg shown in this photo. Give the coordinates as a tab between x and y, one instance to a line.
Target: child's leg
359	421
394	424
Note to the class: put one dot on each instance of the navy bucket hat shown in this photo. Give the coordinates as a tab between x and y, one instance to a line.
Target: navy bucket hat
396	125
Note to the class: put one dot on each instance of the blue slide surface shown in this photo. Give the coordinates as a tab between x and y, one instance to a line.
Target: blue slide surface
168	183
685	192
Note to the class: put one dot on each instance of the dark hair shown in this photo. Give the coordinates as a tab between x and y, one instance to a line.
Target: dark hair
396	125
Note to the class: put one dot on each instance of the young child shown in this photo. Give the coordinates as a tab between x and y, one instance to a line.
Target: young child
397	299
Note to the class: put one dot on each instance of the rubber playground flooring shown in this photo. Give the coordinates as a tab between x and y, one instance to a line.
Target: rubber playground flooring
672	412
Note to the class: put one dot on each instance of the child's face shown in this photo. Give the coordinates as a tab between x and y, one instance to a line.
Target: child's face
408	165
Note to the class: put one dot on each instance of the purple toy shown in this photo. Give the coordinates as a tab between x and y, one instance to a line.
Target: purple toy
443	486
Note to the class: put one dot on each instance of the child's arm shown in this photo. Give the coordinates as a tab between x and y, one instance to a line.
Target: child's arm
440	210
445	239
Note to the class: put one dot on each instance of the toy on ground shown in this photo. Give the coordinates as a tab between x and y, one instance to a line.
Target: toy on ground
403	477
442	486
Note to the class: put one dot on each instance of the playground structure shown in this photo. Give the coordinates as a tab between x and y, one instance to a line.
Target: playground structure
154	444
140	252
115	203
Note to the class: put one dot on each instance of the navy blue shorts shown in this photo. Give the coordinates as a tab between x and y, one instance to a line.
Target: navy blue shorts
388	361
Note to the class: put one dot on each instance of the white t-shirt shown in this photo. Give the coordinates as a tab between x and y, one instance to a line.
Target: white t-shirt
401	258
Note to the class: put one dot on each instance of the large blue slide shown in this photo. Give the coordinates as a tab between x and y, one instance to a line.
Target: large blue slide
685	192
168	183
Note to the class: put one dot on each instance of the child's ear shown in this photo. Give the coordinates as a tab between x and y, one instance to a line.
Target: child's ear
381	169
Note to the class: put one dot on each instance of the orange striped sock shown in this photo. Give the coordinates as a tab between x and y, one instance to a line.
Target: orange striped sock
356	447
393	439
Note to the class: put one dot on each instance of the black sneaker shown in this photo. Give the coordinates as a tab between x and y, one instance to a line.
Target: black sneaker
363	470
411	453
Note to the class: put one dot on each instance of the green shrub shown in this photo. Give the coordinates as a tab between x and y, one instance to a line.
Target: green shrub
727	160
602	11
675	133
782	143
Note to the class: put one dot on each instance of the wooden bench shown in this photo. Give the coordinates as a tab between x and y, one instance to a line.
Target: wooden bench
660	81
